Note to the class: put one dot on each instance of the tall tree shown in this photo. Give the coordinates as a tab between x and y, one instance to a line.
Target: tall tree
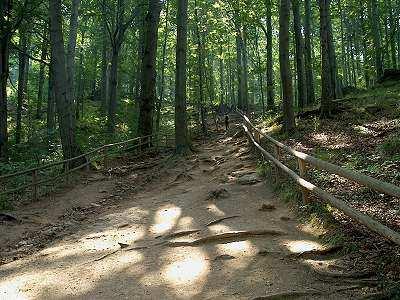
376	36
286	74
163	67
64	103
71	48
329	75
5	37
181	132
300	66
22	81
148	83
308	61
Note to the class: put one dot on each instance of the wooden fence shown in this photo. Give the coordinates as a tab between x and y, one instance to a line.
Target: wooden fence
100	153
306	161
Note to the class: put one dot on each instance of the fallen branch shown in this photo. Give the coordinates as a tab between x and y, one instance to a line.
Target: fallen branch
220	220
224	238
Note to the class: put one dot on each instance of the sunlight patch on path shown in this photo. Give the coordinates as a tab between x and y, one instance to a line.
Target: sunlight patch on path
187	275
301	246
165	219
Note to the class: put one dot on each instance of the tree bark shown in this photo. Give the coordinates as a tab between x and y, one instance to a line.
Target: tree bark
239	68
148	83
22	82
70	61
42	70
163	66
301	79
328	65
286	75
201	71
270	62
181	132
5	36
64	104
51	118
376	37
308	62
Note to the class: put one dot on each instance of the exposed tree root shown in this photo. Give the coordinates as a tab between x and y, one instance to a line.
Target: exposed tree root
321	252
226	237
355	275
289	295
107	255
362	282
309	292
220	220
181	234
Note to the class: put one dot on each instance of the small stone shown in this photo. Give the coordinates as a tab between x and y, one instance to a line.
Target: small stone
267	207
249	179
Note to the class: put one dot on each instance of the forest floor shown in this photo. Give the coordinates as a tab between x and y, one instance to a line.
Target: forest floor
206	227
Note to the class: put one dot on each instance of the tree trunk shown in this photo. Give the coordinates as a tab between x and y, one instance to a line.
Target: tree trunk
64	104
286	75
104	70
301	79
51	116
239	68
181	132
113	85
259	73
22	83
308	62
270	63
163	66
201	71
148	83
245	70
328	87
376	37
70	63
5	36
42	70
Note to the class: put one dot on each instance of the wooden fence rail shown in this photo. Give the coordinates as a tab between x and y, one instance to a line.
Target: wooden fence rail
305	161
101	152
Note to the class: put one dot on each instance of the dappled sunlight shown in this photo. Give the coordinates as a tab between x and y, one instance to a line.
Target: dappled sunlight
165	219
241	248
187	275
212	208
332	141
301	246
13	288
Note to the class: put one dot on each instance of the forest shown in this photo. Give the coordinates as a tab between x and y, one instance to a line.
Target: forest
202	149
78	74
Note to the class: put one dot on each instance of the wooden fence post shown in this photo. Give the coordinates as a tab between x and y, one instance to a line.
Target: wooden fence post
35	187
278	156
88	165
303	172
105	158
66	170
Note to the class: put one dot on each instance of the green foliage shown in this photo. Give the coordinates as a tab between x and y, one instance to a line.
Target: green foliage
391	146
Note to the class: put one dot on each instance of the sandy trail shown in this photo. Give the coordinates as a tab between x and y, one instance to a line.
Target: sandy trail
117	251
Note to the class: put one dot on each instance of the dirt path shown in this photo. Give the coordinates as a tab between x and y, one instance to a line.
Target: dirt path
132	248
